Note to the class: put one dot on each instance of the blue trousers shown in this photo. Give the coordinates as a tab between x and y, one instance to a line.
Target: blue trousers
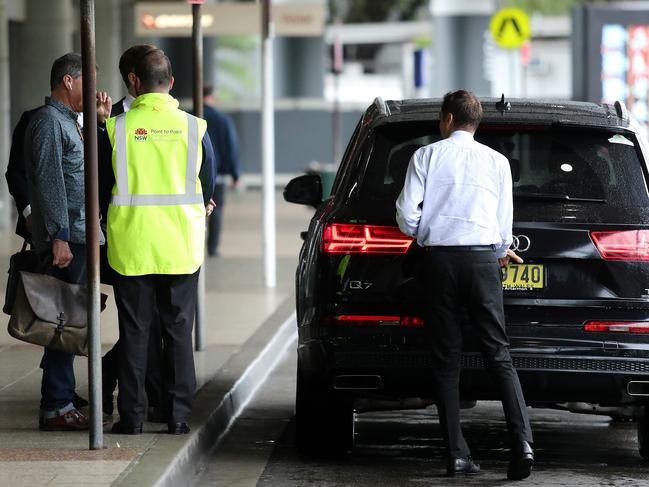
57	385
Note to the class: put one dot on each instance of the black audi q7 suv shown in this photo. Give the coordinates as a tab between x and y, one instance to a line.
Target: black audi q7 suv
577	310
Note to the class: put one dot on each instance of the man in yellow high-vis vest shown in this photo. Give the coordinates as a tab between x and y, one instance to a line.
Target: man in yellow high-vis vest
164	169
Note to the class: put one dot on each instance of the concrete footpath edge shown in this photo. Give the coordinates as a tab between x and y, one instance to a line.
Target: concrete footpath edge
175	460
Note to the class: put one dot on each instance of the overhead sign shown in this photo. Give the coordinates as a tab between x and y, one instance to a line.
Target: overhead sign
158	19
510	28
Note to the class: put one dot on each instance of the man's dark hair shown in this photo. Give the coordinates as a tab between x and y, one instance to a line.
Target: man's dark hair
69	63
130	57
153	69
465	107
208	89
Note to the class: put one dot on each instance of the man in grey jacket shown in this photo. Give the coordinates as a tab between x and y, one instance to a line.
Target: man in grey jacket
55	176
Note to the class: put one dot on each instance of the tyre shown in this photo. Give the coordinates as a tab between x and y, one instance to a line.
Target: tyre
324	420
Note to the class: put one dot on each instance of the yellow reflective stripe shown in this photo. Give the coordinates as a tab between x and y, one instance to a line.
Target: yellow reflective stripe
157	199
120	154
124	198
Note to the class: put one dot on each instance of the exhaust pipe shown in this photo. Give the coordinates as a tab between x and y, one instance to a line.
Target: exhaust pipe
637	388
358	382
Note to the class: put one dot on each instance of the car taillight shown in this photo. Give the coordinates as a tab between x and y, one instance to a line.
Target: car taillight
623	245
365	239
376	320
617	326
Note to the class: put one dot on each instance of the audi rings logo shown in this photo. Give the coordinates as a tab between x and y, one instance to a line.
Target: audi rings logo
520	243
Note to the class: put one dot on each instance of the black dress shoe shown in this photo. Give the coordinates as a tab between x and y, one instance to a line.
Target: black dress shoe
459	466
522	459
178	428
79	402
121	428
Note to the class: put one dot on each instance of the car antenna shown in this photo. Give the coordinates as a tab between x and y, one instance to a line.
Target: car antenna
503	106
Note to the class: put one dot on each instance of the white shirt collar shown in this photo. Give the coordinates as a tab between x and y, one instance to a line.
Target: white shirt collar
461	136
128	99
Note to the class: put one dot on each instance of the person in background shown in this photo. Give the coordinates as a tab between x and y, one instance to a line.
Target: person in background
457	203
55	179
223	135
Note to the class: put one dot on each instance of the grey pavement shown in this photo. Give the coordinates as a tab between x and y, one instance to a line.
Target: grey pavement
405	448
239	311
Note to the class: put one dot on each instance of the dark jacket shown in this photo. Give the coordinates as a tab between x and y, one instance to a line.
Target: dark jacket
16	173
224	140
105	163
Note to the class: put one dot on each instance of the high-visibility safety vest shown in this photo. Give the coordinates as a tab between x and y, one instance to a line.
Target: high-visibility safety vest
156	217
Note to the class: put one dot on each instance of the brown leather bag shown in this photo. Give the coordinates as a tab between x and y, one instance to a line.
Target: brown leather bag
51	313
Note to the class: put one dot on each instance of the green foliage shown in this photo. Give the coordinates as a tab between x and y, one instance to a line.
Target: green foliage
548	7
241	43
233	67
382	10
422	41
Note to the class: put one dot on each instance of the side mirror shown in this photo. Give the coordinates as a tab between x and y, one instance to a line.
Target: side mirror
304	190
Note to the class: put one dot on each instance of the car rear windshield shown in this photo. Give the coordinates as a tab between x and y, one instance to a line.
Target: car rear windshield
547	163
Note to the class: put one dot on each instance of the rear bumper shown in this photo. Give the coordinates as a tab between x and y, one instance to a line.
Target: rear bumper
473	361
545	378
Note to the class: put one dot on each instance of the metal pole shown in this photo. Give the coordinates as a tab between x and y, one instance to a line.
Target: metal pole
336	115
268	147
197	58
87	10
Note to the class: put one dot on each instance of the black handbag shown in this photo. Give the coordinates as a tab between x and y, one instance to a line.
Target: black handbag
24	260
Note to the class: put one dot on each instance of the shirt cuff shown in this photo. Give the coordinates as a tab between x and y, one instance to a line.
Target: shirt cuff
27	211
501	252
63	234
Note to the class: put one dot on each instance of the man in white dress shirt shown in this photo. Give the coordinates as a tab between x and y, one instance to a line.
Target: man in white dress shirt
457	203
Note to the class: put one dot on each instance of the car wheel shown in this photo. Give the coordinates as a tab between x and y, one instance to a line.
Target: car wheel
324	420
643	434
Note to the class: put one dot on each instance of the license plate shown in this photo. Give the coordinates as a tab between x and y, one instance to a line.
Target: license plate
523	277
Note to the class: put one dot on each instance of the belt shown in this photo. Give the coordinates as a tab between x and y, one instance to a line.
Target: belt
461	248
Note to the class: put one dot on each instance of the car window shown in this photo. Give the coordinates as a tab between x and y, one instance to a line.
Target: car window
548	163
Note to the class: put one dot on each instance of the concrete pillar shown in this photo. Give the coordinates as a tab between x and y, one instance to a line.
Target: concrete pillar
127	23
45	35
299	64
5	110
179	50
458	39
108	47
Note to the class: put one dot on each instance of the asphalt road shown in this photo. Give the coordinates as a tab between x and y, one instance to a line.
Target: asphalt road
404	448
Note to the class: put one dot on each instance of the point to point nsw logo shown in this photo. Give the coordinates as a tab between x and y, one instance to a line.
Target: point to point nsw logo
141	134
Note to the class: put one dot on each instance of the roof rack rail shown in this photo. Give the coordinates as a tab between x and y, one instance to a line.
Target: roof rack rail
381	106
621	110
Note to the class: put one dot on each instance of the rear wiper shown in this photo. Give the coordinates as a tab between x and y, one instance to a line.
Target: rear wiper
555	197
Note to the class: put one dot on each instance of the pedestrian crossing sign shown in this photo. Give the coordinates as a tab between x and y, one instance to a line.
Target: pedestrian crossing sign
510	28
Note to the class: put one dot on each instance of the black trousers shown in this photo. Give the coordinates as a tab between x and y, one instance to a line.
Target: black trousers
215	220
175	296
153	382
471	279
110	361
